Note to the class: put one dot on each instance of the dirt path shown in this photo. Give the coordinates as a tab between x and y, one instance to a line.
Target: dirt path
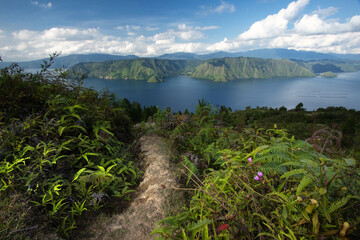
153	194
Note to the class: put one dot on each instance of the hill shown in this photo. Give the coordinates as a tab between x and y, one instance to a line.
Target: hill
70	60
271	53
274	53
222	69
225	69
137	69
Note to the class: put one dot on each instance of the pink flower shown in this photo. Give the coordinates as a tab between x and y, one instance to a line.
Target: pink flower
222	227
256	178
260	174
250	160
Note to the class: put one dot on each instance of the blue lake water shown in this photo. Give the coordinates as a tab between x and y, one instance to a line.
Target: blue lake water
183	92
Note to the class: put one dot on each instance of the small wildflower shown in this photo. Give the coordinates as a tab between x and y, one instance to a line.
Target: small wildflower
222	227
260	174
250	160
256	178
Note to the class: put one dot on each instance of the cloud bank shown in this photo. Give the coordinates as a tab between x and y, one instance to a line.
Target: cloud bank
290	28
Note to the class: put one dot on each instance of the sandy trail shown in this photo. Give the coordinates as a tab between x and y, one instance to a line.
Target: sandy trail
153	194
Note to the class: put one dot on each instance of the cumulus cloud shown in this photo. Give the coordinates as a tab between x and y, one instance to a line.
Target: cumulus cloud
314	24
182	32
289	29
222	8
27	45
276	24
42	5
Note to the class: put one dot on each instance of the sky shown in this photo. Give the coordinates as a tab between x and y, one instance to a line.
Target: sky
34	29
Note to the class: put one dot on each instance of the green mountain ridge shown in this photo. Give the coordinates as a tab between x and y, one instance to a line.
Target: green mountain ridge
226	69
137	69
222	69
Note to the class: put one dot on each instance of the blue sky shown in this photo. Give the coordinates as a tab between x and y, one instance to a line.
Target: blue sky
34	29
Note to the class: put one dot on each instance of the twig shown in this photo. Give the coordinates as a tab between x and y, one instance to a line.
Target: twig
24	229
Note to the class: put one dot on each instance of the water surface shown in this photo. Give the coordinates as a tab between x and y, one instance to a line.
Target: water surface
183	92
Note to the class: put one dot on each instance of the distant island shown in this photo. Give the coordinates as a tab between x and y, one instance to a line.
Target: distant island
328	74
219	70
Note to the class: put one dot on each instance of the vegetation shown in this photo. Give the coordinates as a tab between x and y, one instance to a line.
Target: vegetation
64	152
137	69
224	69
250	182
328	74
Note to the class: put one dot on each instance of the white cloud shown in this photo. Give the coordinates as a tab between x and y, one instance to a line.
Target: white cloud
42	5
313	24
324	13
151	29
207	28
27	45
313	31
222	8
276	24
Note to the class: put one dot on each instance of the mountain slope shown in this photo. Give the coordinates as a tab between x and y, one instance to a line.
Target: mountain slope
70	60
222	69
137	69
225	69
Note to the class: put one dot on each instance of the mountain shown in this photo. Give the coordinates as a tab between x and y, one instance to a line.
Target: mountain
70	60
274	53
220	69
150	69
226	69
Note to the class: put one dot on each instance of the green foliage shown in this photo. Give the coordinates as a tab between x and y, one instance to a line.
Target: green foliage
152	70
63	151
289	190
224	69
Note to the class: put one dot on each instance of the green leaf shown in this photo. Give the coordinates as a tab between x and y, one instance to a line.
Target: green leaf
350	162
197	226
322	191
78	174
294	172
339	204
284	212
61	130
306	180
258	149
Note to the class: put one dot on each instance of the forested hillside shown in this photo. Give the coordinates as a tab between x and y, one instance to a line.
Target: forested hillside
139	69
226	69
223	69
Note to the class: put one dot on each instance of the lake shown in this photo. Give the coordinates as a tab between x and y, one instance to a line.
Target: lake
183	92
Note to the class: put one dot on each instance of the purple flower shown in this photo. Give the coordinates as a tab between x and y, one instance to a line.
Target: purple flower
250	160
260	174
256	178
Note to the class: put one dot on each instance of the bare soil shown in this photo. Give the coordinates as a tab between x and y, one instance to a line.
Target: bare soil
154	198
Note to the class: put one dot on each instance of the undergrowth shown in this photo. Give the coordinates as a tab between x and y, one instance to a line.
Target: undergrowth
64	151
256	183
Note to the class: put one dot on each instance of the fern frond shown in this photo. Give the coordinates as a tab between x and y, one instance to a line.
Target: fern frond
197	226
294	172
306	180
339	204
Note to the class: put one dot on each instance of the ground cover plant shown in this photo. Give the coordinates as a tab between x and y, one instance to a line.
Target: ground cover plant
64	151
256	183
